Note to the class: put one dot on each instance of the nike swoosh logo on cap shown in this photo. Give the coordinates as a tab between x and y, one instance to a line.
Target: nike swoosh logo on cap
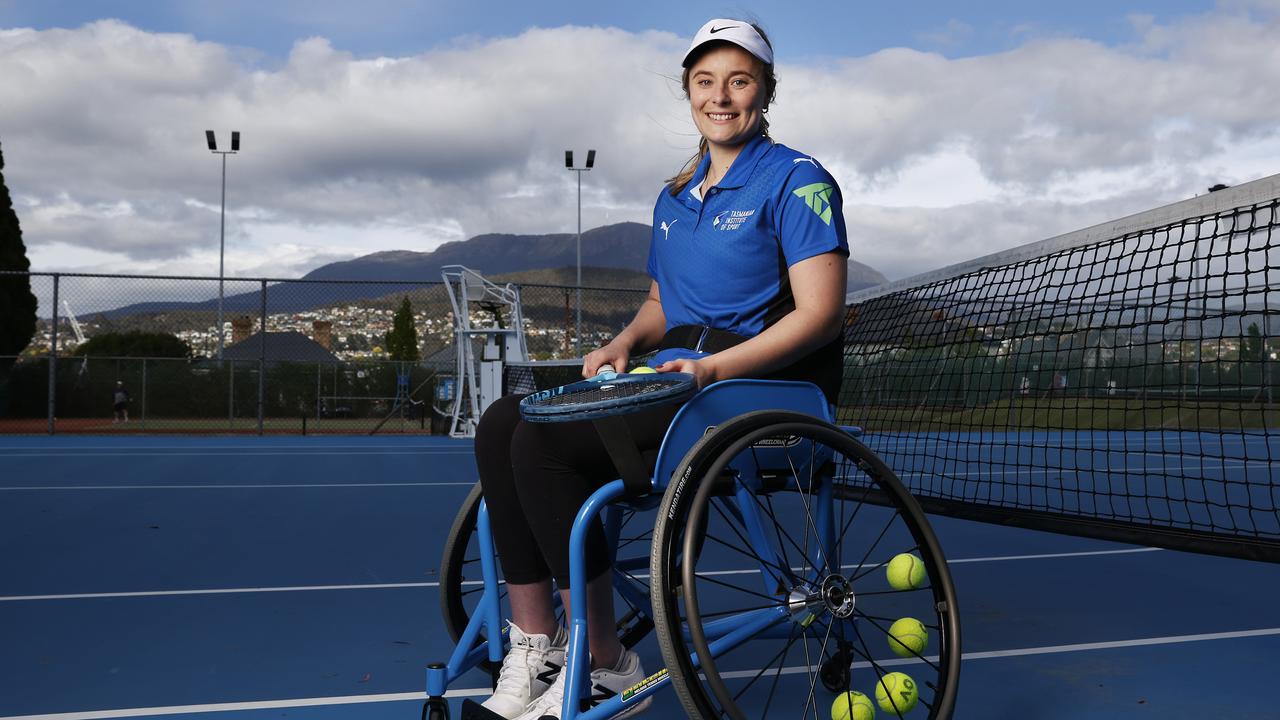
726	27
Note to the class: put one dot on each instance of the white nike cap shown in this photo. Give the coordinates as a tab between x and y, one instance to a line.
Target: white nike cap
735	31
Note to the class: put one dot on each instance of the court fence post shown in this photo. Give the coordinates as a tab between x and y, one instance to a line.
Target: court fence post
53	355
262	356
230	366
319	369
144	393
1266	370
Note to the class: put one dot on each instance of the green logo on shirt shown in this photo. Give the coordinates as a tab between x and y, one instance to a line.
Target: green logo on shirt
818	197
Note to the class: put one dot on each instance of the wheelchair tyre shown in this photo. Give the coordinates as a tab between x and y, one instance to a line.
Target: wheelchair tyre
461	577
812	573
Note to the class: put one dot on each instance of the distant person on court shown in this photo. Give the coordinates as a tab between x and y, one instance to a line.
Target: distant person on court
747	260
120	403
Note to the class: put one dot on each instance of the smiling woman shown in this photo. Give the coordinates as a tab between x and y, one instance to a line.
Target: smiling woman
747	260
729	90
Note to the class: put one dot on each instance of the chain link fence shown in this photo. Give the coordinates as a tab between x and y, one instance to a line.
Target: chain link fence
167	354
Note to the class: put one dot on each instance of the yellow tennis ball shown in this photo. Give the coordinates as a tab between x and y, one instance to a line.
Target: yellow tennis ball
642	370
908	637
905	571
852	705
896	693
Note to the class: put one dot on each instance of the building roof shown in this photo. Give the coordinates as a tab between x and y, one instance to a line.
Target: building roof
281	346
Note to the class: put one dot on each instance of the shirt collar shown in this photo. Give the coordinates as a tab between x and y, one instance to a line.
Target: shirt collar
743	165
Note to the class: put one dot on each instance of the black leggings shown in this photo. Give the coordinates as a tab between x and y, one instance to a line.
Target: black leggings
535	478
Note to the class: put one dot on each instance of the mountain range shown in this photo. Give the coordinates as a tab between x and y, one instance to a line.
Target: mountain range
622	246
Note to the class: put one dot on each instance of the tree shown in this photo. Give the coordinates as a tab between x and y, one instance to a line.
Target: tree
135	344
402	338
17	304
1251	351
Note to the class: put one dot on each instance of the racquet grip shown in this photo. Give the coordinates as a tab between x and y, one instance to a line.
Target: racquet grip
605	368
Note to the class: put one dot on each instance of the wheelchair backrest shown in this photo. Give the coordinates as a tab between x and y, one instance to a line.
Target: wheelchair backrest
728	399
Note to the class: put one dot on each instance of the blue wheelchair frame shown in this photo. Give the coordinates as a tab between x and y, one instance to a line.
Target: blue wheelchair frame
712	406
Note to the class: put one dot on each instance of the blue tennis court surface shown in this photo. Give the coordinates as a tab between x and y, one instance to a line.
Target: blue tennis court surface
249	578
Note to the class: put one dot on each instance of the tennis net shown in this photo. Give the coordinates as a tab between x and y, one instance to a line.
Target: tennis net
1117	382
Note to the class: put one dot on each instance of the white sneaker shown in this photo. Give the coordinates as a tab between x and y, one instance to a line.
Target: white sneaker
531	666
605	683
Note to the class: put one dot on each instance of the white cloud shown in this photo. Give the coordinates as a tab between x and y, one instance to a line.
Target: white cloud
949	35
940	159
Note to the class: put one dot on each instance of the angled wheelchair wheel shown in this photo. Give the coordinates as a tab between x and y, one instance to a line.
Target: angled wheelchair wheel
771	583
462	581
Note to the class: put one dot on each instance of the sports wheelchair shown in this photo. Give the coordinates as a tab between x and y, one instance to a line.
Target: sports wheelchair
756	552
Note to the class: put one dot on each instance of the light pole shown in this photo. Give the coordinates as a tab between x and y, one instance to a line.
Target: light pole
222	231
568	163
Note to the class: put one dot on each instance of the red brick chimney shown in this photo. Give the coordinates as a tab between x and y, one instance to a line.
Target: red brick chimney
322	332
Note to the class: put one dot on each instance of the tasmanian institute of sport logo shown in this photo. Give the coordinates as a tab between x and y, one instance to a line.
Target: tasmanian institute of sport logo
818	197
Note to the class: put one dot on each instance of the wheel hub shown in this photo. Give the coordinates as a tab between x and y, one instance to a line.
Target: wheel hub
837	595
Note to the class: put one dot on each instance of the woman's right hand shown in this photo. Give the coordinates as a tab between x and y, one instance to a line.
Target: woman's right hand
613	354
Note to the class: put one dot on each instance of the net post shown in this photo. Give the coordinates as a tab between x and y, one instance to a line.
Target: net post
53	355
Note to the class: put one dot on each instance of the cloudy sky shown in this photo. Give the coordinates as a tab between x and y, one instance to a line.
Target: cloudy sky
389	124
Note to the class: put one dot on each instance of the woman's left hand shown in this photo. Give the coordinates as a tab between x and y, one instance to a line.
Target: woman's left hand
702	372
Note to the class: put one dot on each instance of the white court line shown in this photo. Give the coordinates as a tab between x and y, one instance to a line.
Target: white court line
226	487
225	591
1123	470
234	453
255	705
1143	449
476	692
1085	553
1046	650
382	586
318	440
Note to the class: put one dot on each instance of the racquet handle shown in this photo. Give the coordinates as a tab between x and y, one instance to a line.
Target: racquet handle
605	372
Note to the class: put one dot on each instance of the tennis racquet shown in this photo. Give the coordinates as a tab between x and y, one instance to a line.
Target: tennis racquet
608	393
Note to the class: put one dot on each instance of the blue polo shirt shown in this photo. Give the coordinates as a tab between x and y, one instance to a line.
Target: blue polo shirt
721	261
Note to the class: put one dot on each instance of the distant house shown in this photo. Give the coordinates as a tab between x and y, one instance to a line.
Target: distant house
280	347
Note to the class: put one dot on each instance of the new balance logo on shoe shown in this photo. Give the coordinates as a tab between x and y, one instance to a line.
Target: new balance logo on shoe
548	675
600	694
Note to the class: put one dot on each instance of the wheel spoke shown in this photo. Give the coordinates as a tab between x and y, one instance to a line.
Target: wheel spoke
804	503
813	676
867	571
773	687
862	501
888	634
749	608
879	537
745	542
769	511
765	667
777	528
731	586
